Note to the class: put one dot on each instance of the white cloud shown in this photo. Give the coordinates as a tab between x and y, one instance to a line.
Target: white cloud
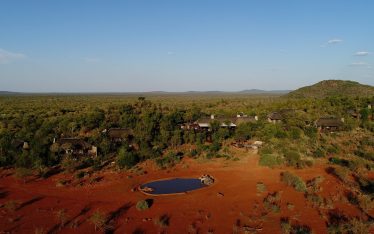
91	60
170	53
334	41
362	53
358	64
7	56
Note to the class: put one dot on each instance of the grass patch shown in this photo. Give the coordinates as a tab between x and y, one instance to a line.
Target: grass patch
314	185
11	205
287	227
341	173
294	181
98	219
261	187
272	202
270	160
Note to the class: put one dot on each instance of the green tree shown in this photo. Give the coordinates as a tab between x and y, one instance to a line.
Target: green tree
126	158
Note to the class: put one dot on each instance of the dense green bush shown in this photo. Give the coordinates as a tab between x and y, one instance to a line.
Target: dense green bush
143	205
126	158
292	157
169	159
270	160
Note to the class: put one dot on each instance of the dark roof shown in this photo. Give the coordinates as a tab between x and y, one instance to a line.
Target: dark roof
119	132
73	143
17	143
329	122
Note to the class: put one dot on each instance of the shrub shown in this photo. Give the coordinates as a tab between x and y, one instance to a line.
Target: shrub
61	183
270	160
22	173
142	205
272	202
292	157
365	202
333	149
98	219
315	199
61	217
319	153
355	225
80	175
314	184
169	159
40	230
11	205
261	187
162	221
364	154
290	206
194	153
295	133
126	158
285	226
293	180
358	226
341	173
288	228
338	161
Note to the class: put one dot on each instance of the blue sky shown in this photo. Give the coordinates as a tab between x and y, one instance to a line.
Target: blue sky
175	45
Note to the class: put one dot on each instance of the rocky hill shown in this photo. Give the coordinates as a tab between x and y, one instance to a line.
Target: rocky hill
328	88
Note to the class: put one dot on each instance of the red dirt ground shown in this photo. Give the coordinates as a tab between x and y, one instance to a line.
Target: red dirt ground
198	211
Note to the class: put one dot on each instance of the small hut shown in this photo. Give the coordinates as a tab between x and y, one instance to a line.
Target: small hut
329	123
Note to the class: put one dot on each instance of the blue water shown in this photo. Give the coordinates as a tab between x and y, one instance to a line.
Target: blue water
177	185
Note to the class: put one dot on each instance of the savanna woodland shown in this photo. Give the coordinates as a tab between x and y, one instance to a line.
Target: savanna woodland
296	163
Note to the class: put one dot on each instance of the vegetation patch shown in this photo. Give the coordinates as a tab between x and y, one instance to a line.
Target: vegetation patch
144	204
293	180
314	185
272	202
261	187
270	160
163	221
99	220
288	228
340	172
169	160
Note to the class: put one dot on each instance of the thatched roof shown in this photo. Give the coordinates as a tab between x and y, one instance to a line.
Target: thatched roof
119	132
329	122
281	114
218	119
245	120
73	143
275	116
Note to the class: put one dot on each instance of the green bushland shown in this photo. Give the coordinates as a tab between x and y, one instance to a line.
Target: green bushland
155	122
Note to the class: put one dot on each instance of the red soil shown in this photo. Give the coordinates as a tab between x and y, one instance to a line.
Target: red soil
203	210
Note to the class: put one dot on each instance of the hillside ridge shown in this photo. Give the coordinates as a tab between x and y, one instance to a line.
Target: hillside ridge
327	88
